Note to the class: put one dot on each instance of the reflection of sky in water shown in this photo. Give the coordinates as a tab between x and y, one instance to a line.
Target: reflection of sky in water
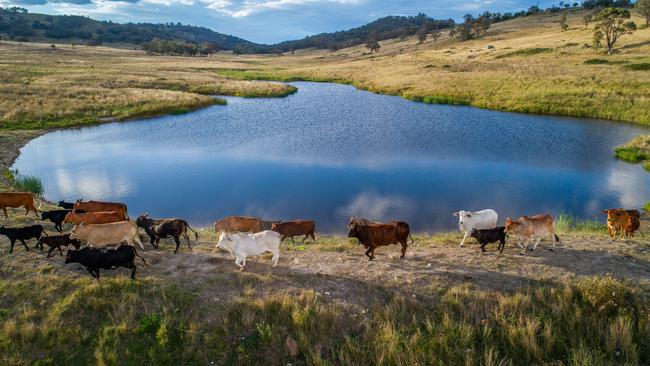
331	151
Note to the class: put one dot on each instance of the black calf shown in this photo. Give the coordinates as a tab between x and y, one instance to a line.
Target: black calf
164	228
487	236
56	242
22	234
95	259
56	216
66	205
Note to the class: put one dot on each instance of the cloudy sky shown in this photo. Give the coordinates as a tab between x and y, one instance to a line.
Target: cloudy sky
267	21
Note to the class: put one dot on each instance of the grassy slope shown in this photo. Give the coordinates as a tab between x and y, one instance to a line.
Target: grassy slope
44	88
533	68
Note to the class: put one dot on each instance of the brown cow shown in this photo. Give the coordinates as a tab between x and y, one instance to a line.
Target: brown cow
233	224
99	206
17	199
92	218
617	219
289	229
531	227
360	221
380	235
632	225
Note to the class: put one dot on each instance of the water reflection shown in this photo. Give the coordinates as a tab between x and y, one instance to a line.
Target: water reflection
331	151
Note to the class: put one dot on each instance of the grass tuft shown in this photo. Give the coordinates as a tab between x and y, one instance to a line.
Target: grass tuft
568	223
29	183
526	52
639	67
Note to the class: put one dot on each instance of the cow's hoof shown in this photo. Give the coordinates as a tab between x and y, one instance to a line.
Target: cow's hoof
521	253
551	249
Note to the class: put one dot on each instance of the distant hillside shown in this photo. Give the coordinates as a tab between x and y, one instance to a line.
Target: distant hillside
19	25
384	28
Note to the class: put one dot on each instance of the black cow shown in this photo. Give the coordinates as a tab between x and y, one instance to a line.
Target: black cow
95	259
487	236
164	228
56	216
56	242
66	205
22	234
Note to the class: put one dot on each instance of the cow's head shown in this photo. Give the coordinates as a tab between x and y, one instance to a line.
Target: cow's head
511	225
354	231
464	218
142	220
617	216
72	256
274	226
224	241
75	243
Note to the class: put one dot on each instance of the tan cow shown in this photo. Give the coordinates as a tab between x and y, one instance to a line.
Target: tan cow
232	224
17	199
92	218
99	206
101	235
528	228
617	219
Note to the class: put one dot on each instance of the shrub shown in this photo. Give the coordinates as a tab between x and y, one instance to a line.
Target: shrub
29	183
631	154
596	61
639	67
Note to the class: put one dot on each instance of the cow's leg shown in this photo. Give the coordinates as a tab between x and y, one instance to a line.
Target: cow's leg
293	241
24	244
137	240
313	236
523	249
11	246
404	246
178	243
502	245
26	210
464	238
276	258
536	243
186	237
483	247
5	211
49	253
303	239
133	271
58	227
368	254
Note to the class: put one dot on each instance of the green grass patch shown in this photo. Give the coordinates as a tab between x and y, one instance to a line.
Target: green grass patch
631	154
639	67
56	320
29	183
438	99
526	52
568	223
596	61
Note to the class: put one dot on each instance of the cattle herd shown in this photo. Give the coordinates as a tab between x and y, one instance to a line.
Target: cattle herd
100	226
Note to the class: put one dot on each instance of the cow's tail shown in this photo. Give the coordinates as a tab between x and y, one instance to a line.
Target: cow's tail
138	255
410	237
196	235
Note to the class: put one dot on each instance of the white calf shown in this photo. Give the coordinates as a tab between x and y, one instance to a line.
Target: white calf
468	220
243	245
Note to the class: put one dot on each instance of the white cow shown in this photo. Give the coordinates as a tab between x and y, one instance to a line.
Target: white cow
242	245
468	220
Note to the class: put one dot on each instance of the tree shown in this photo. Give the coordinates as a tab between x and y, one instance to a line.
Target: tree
435	35
372	42
613	23
564	22
643	7
422	33
587	18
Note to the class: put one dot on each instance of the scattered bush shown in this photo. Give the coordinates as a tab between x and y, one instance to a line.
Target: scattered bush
639	67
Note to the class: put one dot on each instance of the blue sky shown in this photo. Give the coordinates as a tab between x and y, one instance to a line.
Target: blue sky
267	21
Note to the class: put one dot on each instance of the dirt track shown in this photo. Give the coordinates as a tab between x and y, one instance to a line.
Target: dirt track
338	269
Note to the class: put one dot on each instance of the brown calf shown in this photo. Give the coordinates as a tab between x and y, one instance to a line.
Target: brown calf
380	235
537	226
92	218
99	206
17	199
289	229
233	224
617	219
632	225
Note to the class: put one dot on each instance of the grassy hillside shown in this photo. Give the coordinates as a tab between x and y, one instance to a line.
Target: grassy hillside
83	30
46	87
531	67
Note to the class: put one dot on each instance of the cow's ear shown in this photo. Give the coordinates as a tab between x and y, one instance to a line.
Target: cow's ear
604	211
455	214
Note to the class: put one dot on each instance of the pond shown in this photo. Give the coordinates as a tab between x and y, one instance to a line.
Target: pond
332	151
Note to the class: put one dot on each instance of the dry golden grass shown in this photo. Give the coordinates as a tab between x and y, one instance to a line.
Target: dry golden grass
533	68
43	88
